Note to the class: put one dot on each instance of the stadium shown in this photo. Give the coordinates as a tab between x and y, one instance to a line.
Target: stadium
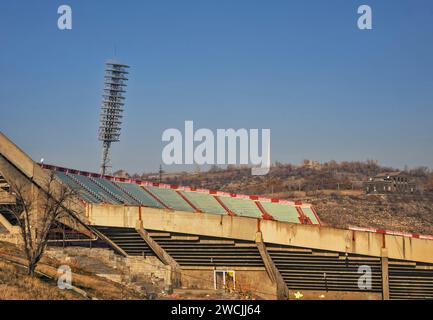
207	239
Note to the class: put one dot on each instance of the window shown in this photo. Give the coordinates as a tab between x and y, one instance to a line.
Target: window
224	279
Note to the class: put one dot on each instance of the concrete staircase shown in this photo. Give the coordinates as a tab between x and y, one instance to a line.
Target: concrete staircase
146	275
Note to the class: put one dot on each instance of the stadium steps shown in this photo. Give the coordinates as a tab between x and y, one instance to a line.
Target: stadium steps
60	231
209	251
410	281
309	269
127	239
4	185
9	217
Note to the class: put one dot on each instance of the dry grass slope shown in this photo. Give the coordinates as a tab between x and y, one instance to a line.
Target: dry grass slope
15	284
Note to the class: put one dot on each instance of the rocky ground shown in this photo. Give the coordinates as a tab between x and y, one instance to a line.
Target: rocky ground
405	213
98	274
15	284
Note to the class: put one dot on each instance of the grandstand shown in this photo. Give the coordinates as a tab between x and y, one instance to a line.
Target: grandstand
278	249
97	189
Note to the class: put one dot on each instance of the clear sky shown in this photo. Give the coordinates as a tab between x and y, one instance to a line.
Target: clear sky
326	89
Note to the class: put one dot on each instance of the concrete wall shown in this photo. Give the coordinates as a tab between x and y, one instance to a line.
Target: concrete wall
308	236
10	151
256	281
248	280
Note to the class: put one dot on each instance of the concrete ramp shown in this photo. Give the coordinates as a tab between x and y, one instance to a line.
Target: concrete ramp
16	167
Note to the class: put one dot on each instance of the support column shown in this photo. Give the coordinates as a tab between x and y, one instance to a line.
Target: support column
385	274
111	243
273	273
161	254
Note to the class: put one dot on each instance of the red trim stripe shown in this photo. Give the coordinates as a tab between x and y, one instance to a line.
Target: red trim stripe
393	233
229	212
316	215
160	185
302	217
189	202
265	214
157	198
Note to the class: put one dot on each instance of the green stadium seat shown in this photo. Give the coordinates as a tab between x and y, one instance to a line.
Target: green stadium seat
86	182
205	202
82	193
116	191
242	207
97	189
281	212
310	214
171	198
137	192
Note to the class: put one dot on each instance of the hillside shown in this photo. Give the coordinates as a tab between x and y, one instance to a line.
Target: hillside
336	190
413	214
15	284
85	263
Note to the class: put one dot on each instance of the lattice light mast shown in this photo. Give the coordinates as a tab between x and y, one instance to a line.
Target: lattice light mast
111	110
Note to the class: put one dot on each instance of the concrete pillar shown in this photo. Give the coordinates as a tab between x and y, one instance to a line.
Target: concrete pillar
175	270
385	274
282	291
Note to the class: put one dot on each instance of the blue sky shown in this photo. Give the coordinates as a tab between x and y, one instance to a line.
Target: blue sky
326	89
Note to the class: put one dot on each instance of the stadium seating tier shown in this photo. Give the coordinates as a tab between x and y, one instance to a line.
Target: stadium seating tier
94	189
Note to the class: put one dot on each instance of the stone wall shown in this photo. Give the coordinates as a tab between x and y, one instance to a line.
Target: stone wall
249	283
138	272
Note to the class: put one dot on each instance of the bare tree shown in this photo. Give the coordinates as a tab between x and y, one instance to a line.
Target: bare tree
36	210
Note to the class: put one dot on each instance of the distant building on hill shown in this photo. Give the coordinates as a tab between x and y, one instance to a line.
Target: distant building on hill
391	182
311	164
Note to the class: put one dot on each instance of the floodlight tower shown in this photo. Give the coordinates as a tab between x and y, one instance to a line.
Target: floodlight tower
110	120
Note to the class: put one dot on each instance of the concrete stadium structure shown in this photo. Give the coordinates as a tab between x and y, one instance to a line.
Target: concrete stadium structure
275	249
